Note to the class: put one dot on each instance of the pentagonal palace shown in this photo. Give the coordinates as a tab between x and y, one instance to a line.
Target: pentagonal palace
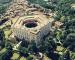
33	27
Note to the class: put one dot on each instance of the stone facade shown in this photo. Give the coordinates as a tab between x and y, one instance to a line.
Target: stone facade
39	27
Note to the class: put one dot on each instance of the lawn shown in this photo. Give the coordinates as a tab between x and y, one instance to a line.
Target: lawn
14	19
15	56
60	48
7	33
3	50
23	58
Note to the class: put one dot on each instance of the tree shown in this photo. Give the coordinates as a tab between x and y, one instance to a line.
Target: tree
63	8
3	5
66	56
70	41
33	48
8	45
43	3
25	43
2	39
47	45
2	9
7	55
23	51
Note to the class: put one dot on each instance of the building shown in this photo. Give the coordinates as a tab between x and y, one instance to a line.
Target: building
57	24
33	27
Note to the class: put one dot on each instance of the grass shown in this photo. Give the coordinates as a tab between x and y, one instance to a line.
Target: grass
7	33
14	19
15	56
59	48
3	50
46	58
23	58
72	54
1	27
